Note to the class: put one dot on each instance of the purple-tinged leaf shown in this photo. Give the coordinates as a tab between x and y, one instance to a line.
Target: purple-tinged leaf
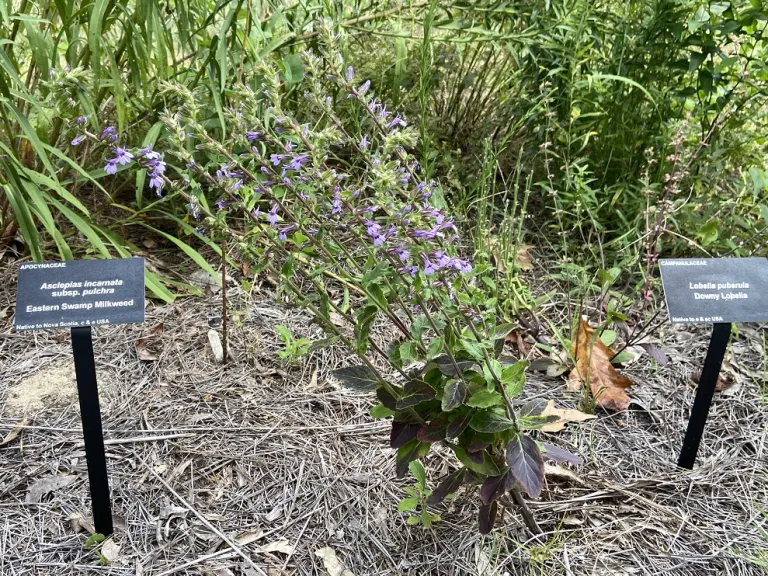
476	457
360	378
532	407
493	488
386	398
454	395
487	421
402	433
415	392
447	367
448	485
656	353
559	455
458	425
486	517
434	431
526	464
407	454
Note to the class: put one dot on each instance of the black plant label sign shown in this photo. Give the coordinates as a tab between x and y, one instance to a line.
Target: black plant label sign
715	290
79	293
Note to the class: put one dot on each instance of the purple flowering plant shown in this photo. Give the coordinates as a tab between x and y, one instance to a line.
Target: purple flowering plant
330	200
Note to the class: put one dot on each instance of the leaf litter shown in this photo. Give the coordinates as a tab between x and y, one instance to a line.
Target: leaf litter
238	465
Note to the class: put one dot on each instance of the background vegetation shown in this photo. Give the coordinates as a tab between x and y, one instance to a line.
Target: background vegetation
627	129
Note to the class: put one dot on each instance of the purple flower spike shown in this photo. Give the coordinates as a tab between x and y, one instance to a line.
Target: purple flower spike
78	139
81	121
364	142
252	135
272	217
350	74
364	88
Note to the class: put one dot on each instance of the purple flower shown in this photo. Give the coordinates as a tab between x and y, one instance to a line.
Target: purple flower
296	163
272	217
350	74
412	270
364	142
156	182
402	254
289	146
81	121
111	167
77	139
276	158
420	186
285	230
256	212
429	266
356	193
336	203
364	88
148	154
426	234
396	121
235	185
221	204
107	132
252	135
122	156
265	170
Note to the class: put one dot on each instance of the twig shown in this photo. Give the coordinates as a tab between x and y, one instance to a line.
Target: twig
137	439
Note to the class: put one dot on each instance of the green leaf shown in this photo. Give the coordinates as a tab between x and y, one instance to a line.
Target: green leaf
764	213
608	337
705	81
474	349
366	316
360	377
381	411
95	36
293	69
413	520
513	378
407	454
417	469
491	422
376	295
436	345
488	467
485	398
697	58
407	504
454	395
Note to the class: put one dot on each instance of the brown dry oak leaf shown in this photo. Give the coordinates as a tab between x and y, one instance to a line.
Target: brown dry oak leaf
593	365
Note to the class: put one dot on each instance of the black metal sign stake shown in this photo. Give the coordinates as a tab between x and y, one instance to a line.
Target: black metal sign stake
721	332
88	392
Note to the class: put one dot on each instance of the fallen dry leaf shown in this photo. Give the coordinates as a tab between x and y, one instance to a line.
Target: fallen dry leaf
517	339
593	364
13	434
110	551
43	486
724	381
332	564
248	537
524	260
143	344
560	472
282	546
563	417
